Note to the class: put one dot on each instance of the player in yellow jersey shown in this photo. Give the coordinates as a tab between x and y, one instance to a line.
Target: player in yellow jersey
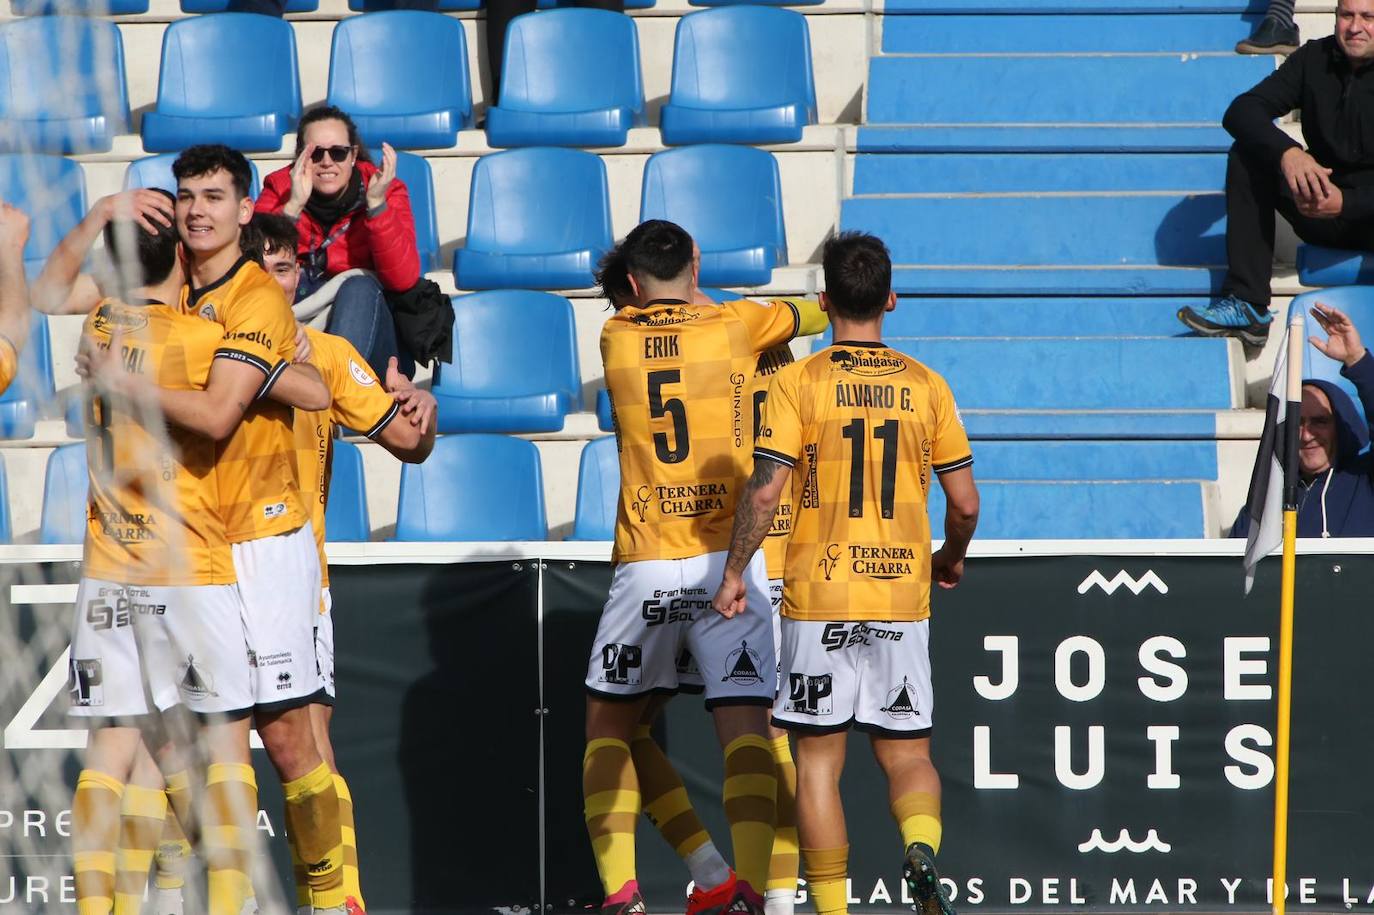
678	374
865	428
399	417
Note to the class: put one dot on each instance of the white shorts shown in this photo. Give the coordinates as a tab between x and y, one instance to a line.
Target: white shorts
324	645
279	578
659	609
872	675
140	647
689	675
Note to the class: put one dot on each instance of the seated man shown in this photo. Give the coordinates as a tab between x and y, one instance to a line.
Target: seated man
1336	490
1326	191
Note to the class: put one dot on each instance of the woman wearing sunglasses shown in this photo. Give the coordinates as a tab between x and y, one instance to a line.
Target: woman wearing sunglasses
351	215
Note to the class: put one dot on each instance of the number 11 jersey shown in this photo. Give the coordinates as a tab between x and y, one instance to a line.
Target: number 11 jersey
680	378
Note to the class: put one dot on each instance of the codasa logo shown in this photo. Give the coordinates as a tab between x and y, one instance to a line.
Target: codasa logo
360	374
829	560
867	362
742	666
900	704
195	683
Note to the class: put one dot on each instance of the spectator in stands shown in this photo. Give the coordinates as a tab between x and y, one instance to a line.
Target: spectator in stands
355	228
499	15
1277	33
1336	491
1326	191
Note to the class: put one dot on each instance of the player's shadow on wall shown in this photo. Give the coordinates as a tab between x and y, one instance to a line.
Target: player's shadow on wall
469	744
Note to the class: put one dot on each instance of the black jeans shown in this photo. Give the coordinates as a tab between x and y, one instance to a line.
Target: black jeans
499	15
1254	192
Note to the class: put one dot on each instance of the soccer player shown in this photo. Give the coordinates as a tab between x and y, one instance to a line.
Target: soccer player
865	428
400	418
678	373
664	797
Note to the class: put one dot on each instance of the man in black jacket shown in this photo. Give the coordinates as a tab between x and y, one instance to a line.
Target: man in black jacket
1326	191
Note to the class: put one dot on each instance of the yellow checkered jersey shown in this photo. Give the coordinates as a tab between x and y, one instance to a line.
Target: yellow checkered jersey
259	493
680	378
863	427
775	544
152	513
357	402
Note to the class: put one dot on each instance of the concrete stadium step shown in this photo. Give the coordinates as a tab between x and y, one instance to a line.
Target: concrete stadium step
1095	99
994	173
1066	244
1049	461
1065	34
1013	7
1051	138
1021	316
1073	509
1051	374
1242	425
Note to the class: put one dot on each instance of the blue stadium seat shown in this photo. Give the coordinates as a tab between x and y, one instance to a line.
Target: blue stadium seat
598	491
156	171
741	74
222	6
403	77
473	487
62	86
64	496
514	364
74	414
537	219
1076	510
604	421
78	7
22	403
345	516
248	108
571	78
730	199
415	172
1318	266
1077	245
52	190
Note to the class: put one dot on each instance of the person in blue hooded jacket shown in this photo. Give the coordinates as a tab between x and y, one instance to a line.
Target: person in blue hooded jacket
1336	493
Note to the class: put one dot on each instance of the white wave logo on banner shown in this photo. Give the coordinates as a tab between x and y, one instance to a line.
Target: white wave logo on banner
1151	842
1135	585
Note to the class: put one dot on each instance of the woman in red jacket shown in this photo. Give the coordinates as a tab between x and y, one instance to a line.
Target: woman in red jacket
349	214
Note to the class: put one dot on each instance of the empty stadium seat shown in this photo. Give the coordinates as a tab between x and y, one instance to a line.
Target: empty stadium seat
23	401
571	78
156	171
538	218
415	172
1318	266
64	496
249	108
62	86
598	491
1075	510
741	74
78	7
604	420
403	77
222	6
345	515
729	198
52	190
504	377
473	487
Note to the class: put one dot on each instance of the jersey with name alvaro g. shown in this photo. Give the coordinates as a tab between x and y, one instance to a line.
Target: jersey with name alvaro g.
863	427
153	506
679	378
775	544
357	401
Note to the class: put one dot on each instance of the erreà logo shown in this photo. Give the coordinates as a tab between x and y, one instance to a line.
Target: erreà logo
829	560
1135	585
868	363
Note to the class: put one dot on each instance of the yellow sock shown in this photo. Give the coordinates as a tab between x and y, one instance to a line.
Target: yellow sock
664	797
95	832
172	851
782	865
230	818
750	796
825	878
918	815
352	881
312	817
610	792
142	815
299	876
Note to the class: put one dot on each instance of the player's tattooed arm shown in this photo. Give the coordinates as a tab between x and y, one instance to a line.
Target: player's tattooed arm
754	512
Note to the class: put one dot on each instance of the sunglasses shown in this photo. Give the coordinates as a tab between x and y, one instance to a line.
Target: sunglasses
337	153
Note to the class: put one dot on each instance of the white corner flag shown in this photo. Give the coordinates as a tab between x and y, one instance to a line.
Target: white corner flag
1264	507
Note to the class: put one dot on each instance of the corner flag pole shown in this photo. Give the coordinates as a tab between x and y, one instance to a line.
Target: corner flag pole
1292	420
